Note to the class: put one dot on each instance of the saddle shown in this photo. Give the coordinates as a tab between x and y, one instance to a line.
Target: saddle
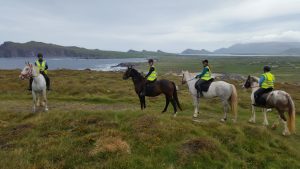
262	100
149	87
205	86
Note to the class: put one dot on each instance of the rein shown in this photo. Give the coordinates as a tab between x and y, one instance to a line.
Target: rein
29	73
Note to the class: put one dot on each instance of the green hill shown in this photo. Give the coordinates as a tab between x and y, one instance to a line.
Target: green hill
12	49
94	121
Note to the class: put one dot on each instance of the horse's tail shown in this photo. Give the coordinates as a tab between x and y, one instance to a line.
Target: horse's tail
176	97
234	101
292	114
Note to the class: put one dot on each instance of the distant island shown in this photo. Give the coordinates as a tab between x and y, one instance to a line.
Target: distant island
195	52
262	48
29	49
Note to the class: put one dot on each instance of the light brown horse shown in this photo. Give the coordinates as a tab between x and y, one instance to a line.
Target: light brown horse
278	99
166	87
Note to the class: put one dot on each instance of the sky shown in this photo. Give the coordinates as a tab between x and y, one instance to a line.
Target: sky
168	25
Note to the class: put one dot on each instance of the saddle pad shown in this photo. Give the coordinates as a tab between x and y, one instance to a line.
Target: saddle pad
205	86
150	88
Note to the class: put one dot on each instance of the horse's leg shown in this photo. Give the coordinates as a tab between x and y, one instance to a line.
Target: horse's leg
141	102
252	119
284	121
266	123
198	104
45	100
196	107
34	101
167	104
225	109
144	101
276	123
174	106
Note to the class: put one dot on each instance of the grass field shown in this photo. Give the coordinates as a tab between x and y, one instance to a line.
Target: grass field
94	121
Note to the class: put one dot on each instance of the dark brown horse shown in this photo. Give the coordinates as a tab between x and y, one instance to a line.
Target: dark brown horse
166	87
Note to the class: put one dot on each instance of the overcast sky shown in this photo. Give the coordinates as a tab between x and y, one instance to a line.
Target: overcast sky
168	25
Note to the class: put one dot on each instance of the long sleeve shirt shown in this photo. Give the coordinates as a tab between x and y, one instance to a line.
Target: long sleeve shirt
150	71
202	73
261	80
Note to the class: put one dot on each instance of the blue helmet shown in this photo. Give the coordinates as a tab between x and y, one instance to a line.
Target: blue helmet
267	68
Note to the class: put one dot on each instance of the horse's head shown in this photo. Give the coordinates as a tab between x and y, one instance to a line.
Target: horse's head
249	82
27	71
128	73
185	75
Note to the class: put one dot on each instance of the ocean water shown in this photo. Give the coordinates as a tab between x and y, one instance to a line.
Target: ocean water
71	63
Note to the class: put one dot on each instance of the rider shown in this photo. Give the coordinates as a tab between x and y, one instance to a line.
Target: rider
151	76
43	67
266	84
204	76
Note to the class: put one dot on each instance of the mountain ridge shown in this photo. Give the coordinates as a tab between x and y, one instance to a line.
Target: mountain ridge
256	48
12	49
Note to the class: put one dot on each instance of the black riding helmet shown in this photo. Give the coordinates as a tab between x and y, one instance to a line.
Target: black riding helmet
150	61
205	61
40	55
267	68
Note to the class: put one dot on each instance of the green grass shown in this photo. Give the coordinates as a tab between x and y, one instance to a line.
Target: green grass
94	121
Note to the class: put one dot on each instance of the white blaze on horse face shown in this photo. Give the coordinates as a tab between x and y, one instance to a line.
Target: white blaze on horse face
24	72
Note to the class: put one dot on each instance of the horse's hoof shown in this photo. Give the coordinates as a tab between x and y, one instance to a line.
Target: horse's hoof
251	121
46	109
285	133
223	120
274	126
195	116
265	124
175	115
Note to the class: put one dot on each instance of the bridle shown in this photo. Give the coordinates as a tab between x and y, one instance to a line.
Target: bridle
251	86
185	81
29	73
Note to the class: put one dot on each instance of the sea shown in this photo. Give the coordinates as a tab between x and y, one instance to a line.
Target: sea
71	63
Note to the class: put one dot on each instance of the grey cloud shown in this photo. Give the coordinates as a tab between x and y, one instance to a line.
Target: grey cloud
170	25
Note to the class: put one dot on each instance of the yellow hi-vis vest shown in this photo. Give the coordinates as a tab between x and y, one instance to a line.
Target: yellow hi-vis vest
207	75
42	66
153	75
269	80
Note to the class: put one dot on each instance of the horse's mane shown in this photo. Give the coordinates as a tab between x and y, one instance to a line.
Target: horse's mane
254	79
137	74
35	68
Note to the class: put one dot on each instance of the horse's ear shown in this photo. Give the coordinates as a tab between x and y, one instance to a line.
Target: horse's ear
131	66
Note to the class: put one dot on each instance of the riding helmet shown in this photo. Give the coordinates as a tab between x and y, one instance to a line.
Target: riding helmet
39	55
205	61
267	68
150	61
